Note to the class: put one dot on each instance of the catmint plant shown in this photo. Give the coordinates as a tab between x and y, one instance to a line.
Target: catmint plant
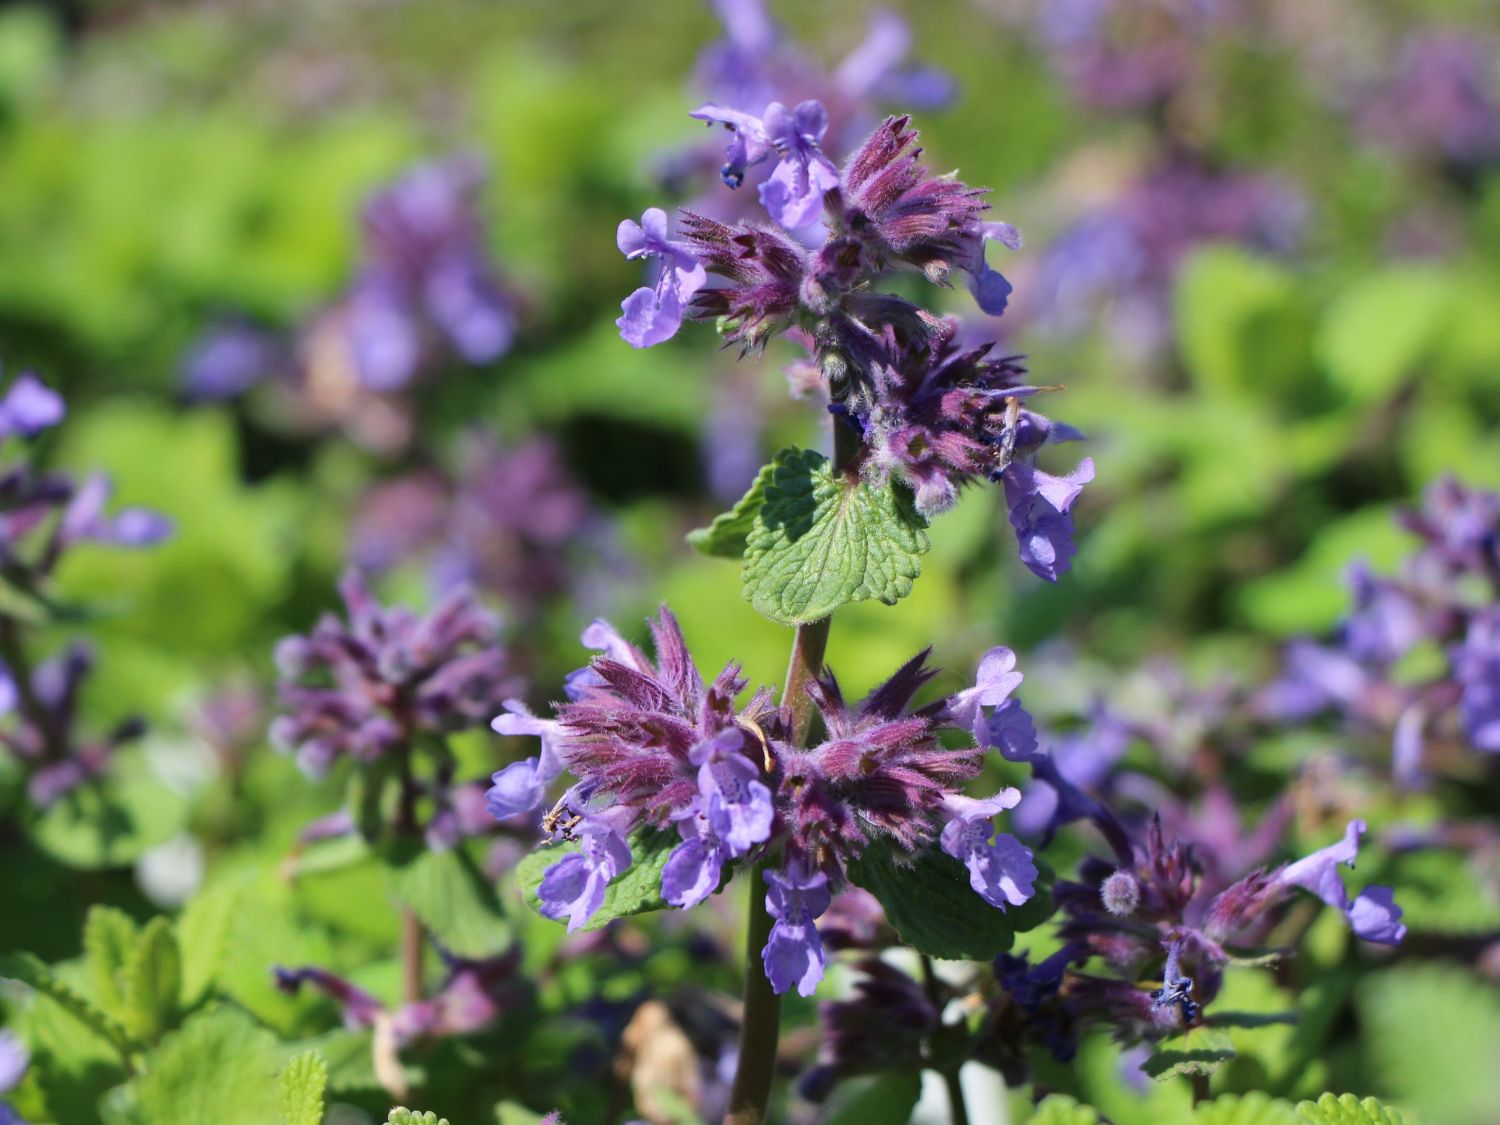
43	515
383	689
673	780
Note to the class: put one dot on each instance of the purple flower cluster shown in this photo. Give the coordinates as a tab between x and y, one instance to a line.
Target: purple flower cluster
472	995
1446	597
652	745
373	685
1440	99
42	516
504	523
1150	908
754	66
1126	253
930	415
425	292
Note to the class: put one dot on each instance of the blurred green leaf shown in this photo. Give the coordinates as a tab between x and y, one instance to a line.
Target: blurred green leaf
219	1068
301	1083
1432	1035
1249	1109
887	1099
109	937
1238	322
1346	1109
455	902
152	981
1379	330
1060	1109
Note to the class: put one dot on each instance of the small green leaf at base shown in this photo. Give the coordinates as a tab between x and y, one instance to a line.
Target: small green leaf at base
930	902
820	541
1060	1109
1201	1050
153	981
1346	1109
637	890
302	1081
108	937
403	1116
725	537
31	971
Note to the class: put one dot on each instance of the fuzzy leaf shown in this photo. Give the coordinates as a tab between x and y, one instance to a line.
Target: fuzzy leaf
454	901
219	1068
1059	1109
637	890
152	981
1200	1050
30	971
403	1116
203	931
301	1082
1346	1109
1250	1109
820	542
725	538
937	912
108	937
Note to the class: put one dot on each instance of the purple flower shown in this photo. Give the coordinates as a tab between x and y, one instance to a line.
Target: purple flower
14	1059
370	686
1373	914
521	786
653	742
994	681
1000	868
651	315
874	68
696	866
574	886
229	359
793	195
84	518
1439	98
1039	506
794	953
736	803
28	407
1478	667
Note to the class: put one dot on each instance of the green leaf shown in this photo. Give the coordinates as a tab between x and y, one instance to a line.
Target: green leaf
1238	321
1346	1109
153	981
109	935
1250	1109
454	900
403	1116
637	890
219	1068
301	1082
930	902
885	1099
30	970
1382	329
1432	1034
820	542
203	931
726	537
1059	1109
1201	1050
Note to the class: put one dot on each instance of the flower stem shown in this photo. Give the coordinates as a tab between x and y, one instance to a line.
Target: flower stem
958	1109
762	1017
411	956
